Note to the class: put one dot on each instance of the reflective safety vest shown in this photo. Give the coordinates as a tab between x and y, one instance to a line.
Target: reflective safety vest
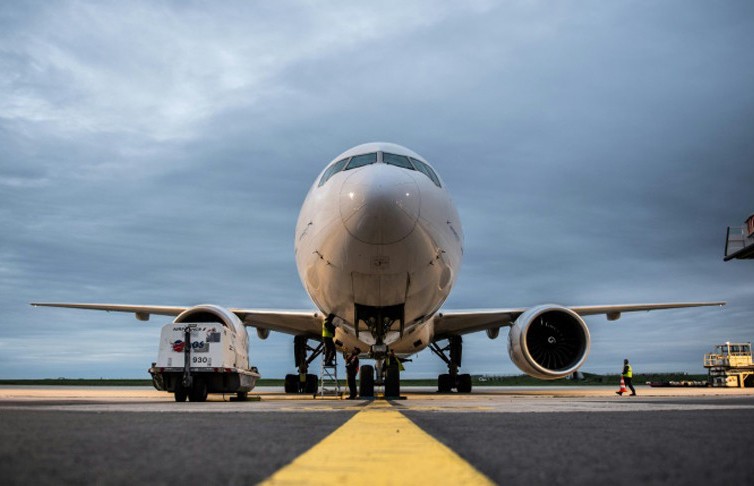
628	372
389	362
328	330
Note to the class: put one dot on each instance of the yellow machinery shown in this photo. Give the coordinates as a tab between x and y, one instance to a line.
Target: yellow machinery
730	365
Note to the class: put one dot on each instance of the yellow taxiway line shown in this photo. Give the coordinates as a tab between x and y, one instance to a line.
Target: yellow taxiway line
378	445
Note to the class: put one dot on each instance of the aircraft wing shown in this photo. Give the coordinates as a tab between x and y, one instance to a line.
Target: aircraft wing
301	322
287	321
456	322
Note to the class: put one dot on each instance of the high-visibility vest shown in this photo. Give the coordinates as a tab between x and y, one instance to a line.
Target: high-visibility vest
328	330
389	361
629	372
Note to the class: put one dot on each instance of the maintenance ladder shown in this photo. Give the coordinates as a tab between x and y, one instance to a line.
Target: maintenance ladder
328	380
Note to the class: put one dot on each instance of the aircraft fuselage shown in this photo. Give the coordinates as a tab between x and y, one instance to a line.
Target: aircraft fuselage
379	239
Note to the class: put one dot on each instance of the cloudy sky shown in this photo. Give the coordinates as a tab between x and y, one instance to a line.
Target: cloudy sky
158	153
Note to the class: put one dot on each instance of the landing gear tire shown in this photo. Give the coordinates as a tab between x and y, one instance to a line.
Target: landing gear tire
444	383
242	396
366	381
180	394
291	384
311	384
198	392
393	383
464	383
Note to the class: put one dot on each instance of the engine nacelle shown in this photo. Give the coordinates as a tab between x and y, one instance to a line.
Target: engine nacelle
549	342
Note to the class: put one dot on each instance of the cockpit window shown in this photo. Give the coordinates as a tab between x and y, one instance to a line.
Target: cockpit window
397	160
426	170
332	170
402	161
362	160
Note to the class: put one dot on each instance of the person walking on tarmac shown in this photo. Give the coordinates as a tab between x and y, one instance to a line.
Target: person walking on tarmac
352	367
328	333
627	374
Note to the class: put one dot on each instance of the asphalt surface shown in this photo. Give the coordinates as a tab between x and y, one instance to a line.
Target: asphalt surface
50	447
664	447
513	437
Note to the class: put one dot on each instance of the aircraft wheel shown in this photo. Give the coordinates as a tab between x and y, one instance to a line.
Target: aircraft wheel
366	381
464	383
444	384
242	396
180	394
198	392
393	383
312	384
291	384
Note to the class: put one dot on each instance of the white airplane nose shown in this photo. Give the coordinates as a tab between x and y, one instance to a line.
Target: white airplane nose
379	204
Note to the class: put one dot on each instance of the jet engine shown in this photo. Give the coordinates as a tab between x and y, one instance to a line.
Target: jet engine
548	342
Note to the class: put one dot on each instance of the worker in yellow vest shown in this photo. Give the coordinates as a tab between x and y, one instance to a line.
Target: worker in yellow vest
352	368
627	374
328	333
392	361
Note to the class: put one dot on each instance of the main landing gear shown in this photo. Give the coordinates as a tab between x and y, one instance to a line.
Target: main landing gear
303	382
451	354
366	381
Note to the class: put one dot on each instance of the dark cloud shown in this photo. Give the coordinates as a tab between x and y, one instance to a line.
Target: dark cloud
159	155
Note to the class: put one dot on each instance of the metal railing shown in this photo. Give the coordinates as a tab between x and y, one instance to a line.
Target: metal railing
731	360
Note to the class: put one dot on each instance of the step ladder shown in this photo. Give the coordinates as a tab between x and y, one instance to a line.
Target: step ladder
328	380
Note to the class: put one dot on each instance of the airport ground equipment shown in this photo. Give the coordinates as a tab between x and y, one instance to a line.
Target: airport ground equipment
197	358
739	242
329	385
730	365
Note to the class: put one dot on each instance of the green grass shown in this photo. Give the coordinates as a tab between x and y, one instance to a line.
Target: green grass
516	380
589	379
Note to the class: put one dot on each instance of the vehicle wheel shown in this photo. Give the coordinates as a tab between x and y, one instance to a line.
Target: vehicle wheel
198	392
393	383
291	384
444	384
242	396
311	384
366	381
464	383
180	394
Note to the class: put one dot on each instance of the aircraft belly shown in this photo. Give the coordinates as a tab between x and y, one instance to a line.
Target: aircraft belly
339	271
413	341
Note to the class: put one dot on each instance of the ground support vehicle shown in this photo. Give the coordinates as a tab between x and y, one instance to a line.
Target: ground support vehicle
195	359
731	365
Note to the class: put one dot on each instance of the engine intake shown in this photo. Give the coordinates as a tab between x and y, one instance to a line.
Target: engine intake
549	342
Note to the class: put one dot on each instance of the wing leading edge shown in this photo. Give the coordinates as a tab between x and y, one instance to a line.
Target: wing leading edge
309	322
456	322
286	321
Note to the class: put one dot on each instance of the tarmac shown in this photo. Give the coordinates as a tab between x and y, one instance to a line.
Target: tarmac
495	435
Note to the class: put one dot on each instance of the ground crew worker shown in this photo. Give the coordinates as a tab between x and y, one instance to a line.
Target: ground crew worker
627	374
352	367
328	333
394	362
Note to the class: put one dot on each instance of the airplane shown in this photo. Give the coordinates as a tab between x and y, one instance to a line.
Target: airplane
378	247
